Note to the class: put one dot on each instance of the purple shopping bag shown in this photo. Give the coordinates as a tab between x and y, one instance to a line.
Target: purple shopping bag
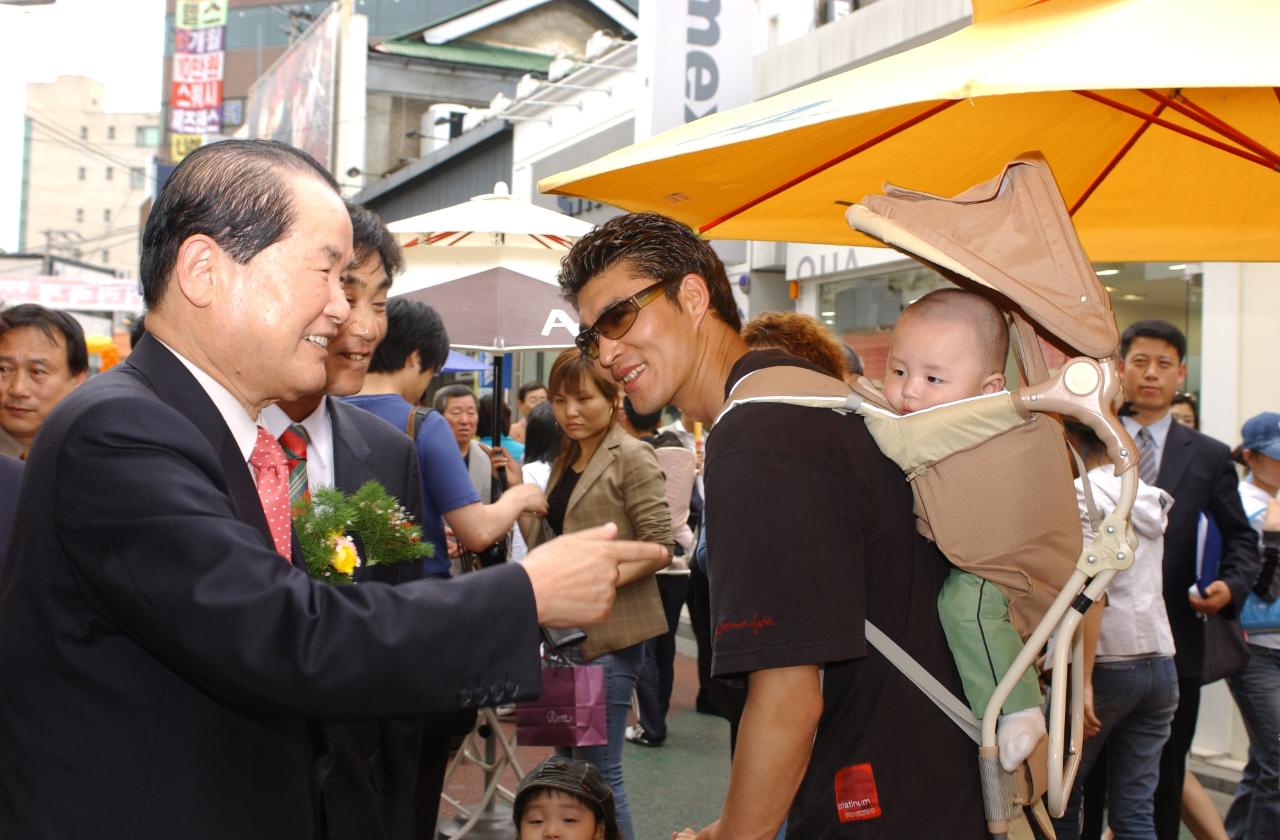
568	713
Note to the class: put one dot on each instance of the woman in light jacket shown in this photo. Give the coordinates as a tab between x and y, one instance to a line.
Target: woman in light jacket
602	475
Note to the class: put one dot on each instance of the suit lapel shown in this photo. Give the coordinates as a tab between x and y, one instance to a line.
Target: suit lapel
350	451
175	385
599	462
1177	455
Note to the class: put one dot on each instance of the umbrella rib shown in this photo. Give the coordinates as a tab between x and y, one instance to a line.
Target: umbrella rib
1186	132
822	167
436	237
1115	161
1202	115
539	240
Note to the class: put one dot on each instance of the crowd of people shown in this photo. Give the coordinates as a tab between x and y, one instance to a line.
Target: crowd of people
184	676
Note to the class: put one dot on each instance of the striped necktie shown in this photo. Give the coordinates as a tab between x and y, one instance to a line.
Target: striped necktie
1148	458
293	441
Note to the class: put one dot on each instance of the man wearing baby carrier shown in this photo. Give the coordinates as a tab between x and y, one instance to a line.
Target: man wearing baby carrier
810	534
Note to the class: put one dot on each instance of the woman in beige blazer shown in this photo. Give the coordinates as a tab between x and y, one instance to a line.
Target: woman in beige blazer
601	475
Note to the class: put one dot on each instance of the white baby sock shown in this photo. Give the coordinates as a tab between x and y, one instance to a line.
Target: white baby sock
1017	735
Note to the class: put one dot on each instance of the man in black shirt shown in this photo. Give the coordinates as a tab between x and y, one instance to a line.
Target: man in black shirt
810	533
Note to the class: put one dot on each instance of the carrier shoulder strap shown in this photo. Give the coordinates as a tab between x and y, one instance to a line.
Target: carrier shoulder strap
414	421
793	386
950	705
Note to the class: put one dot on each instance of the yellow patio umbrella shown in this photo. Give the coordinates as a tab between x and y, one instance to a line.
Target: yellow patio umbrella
1160	118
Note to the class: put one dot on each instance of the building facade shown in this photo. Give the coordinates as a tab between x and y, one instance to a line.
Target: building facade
85	175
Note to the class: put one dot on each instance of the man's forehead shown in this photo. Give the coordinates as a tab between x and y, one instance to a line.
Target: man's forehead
28	334
1145	345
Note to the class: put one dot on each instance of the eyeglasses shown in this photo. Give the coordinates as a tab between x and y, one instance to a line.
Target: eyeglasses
614	322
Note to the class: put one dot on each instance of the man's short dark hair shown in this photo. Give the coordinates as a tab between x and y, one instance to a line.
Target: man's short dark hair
641	422
528	388
411	325
48	320
650	245
452	392
1154	328
369	236
233	191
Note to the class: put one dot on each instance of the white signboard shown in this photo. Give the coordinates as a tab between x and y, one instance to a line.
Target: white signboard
805	261
693	63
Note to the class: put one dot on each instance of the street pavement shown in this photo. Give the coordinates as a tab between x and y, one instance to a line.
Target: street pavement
683	782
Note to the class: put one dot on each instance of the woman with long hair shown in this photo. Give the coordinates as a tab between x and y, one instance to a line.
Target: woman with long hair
542	444
600	475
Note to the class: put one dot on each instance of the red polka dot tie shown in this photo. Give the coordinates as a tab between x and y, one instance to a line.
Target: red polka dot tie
272	473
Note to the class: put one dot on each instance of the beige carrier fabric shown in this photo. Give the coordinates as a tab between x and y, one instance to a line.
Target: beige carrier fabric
993	490
1005	510
919	439
1012	234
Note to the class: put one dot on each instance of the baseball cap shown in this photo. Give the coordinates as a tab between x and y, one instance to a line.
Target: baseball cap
573	776
1261	434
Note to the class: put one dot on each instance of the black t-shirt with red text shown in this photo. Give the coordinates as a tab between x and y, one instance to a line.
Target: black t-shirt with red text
809	533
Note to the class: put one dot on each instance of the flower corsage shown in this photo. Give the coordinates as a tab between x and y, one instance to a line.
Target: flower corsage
340	533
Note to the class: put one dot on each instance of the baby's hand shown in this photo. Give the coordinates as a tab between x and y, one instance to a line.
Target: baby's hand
687	834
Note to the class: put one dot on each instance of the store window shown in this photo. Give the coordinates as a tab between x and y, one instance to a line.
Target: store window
861	310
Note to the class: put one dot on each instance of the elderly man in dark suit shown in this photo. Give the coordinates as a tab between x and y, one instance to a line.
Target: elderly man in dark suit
1199	473
162	653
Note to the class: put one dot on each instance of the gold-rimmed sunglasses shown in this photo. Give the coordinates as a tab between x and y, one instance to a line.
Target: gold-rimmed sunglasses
614	322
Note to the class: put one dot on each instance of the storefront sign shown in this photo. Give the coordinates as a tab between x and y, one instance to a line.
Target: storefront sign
209	40
181	145
66	293
197	67
200	14
693	64
195	98
806	261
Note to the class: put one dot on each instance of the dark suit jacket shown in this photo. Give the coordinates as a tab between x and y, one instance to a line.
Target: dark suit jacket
160	660
10	482
1200	475
366	771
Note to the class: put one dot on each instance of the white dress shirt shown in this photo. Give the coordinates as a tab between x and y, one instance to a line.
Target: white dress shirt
320	446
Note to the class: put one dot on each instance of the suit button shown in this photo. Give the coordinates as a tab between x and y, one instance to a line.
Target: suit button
464	697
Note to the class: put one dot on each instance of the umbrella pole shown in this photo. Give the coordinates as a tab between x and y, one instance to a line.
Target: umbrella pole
496	430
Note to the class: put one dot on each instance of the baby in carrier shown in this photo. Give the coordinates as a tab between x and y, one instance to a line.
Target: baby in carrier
951	345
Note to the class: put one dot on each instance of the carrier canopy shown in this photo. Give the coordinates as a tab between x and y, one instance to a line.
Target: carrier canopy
1011	235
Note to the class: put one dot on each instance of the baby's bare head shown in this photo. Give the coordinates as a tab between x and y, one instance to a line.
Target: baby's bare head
989	342
948	345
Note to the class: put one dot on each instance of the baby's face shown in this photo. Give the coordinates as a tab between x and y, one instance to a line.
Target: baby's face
932	362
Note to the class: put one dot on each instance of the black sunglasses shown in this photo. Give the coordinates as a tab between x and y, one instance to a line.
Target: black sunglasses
614	322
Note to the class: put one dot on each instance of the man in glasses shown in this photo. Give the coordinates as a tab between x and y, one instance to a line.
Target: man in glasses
810	533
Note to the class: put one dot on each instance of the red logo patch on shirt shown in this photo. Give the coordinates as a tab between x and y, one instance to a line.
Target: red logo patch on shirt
856	797
755	624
